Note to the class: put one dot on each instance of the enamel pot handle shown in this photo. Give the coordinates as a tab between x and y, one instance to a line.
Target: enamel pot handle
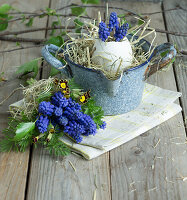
46	53
159	63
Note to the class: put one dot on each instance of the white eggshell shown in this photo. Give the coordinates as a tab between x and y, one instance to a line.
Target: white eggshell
115	56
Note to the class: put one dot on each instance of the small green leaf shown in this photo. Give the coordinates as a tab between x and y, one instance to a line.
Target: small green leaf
123	20
23	18
23	129
54	71
140	22
78	11
58	41
121	15
90	1
55	23
42	16
3	24
18	44
50	11
78	25
5	8
63	33
31	66
4	16
164	53
10	17
30	22
173	60
31	81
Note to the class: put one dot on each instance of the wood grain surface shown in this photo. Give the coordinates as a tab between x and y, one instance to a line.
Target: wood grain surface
14	166
152	166
54	178
141	169
177	21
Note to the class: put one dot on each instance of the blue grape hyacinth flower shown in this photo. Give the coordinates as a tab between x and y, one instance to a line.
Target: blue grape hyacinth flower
58	111
59	100
42	123
74	130
46	108
62	120
113	21
103	31
121	32
89	124
103	125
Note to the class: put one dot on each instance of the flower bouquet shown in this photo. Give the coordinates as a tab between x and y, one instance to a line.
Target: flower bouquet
50	109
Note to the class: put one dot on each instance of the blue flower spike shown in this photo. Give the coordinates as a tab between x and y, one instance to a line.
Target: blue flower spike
42	123
103	125
103	31
74	130
113	21
62	120
58	111
121	32
46	108
118	32
59	100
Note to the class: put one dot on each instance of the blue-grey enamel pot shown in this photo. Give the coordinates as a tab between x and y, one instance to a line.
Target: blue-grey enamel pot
115	96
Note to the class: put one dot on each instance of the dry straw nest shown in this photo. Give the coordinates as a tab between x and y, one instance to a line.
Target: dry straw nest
29	104
80	47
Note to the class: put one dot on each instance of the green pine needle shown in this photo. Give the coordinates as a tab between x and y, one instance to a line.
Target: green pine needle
24	142
57	147
72	84
6	145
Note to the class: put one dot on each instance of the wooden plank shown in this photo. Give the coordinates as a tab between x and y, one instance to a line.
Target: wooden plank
54	178
14	166
150	166
177	21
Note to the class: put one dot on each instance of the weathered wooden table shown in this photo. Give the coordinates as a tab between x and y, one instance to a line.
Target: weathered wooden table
152	166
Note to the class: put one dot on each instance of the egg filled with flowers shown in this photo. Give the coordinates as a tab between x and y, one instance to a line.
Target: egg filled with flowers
112	49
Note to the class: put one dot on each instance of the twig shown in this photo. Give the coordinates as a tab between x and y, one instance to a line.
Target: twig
156	144
72	165
94	195
166	179
38	15
170	32
152	189
16	49
34	30
95	181
18	39
183	52
15	90
20	13
162	11
110	7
